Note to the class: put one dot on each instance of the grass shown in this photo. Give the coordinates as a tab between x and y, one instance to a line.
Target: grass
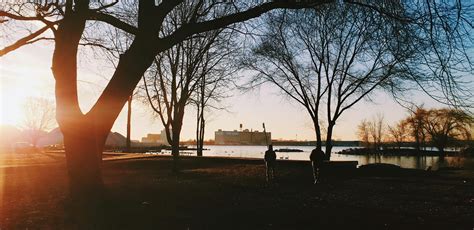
216	193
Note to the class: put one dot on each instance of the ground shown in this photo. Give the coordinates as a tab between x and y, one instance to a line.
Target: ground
217	193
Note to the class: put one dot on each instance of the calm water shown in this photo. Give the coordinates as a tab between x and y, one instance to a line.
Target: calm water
403	161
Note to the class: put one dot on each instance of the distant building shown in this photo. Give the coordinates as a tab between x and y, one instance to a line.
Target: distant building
151	138
244	137
156	138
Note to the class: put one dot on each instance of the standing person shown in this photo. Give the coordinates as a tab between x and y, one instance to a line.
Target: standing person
317	160
270	161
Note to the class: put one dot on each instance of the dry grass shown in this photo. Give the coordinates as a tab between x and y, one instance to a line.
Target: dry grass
214	193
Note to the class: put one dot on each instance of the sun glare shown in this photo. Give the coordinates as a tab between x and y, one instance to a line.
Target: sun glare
11	110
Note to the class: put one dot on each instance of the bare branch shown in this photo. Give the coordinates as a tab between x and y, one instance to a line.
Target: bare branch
23	41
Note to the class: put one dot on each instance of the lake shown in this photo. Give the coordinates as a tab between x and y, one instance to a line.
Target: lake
403	161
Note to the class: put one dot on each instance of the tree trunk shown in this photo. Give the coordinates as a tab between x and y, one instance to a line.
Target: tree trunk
442	154
83	148
83	157
200	134
129	120
317	129
175	138
417	142
198	131
200	141
175	151
329	140
85	135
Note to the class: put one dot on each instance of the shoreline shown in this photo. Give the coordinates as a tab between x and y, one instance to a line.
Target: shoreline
400	152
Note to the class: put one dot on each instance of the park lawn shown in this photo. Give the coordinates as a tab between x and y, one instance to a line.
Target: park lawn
218	193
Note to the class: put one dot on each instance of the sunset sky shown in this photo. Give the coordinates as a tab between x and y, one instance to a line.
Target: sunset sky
26	72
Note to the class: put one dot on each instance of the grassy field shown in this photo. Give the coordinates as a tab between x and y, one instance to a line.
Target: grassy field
214	193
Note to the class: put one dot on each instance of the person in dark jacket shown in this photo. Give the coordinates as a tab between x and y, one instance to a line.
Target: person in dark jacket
270	161
317	160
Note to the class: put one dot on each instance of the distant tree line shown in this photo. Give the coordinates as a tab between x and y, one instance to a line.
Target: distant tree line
439	128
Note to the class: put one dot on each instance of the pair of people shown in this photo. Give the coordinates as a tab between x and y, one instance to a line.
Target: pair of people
317	160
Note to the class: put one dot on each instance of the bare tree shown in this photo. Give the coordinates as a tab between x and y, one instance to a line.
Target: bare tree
416	123
179	72
371	132
39	118
327	59
212	89
399	133
445	126
363	133
376	130
214	86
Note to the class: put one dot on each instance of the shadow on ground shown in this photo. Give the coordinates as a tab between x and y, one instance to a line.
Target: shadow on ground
214	193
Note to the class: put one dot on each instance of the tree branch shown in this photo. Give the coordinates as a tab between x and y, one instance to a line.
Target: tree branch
109	19
23	41
195	28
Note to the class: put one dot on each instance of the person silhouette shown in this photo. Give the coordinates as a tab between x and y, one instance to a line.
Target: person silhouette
317	160
270	161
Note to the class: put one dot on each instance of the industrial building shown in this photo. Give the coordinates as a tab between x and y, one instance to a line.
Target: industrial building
158	139
245	137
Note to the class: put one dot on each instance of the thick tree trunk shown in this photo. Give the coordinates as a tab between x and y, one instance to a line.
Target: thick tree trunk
83	157
84	135
83	147
175	138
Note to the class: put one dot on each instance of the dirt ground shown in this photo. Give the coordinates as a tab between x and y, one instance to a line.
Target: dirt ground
216	193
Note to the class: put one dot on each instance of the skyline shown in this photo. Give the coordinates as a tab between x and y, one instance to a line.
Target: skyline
26	73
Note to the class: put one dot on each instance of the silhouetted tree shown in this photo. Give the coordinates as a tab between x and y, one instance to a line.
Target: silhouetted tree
214	87
39	118
328	59
371	132
363	133
376	130
445	126
416	123
179	72
399	133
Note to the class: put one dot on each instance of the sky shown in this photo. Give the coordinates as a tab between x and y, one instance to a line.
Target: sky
26	72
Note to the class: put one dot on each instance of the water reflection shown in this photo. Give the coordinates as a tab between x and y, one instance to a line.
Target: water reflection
422	162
